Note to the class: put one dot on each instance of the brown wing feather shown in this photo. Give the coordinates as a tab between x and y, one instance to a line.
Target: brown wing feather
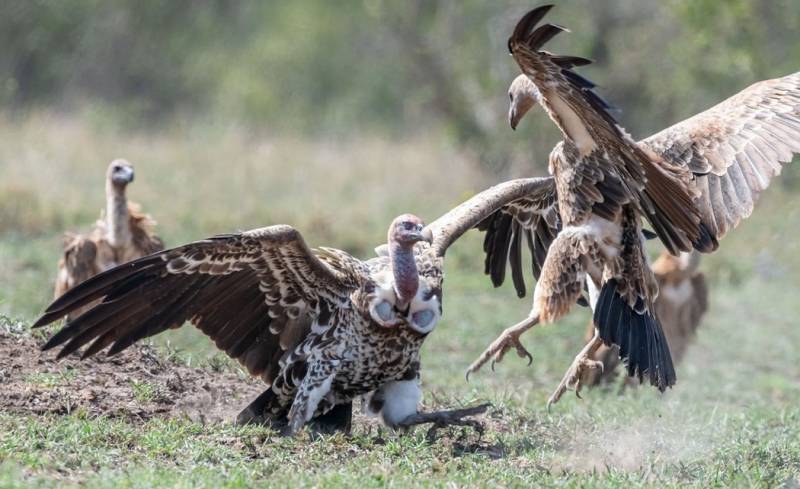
735	149
661	191
245	291
535	219
77	264
143	233
469	214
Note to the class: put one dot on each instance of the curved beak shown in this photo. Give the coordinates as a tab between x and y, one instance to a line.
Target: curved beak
513	119
426	235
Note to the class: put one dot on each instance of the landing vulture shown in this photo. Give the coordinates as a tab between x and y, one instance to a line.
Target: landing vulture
122	234
693	182
319	326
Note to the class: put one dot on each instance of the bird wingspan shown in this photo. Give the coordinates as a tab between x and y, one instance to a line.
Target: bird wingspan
735	148
249	292
661	191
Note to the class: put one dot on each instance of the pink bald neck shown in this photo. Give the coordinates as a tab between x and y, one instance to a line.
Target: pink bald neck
404	269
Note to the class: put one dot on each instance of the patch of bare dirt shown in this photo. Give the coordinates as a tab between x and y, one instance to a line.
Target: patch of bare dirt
134	384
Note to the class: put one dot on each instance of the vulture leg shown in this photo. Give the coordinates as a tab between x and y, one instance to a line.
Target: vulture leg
582	362
337	420
441	419
509	338
254	412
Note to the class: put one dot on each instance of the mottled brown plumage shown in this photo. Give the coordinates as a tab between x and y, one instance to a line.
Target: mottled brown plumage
320	327
693	182
123	233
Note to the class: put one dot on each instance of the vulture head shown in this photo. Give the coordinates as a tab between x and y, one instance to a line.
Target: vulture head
119	173
523	95
407	230
392	299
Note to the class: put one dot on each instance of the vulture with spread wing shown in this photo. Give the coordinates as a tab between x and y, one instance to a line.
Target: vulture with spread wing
319	326
693	182
122	234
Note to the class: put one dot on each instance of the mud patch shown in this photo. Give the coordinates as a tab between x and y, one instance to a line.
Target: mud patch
136	384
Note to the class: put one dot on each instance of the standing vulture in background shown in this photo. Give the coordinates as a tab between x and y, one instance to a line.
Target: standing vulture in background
319	326
693	182
122	234
680	306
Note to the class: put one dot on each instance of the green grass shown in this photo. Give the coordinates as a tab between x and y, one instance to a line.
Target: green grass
732	420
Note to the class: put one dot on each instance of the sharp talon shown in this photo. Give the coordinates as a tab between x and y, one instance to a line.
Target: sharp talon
578	394
493	362
466	375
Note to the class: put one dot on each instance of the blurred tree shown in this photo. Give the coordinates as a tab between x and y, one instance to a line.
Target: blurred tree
344	67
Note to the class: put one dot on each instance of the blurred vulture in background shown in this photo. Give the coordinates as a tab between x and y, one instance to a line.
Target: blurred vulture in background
123	233
693	182
318	326
680	306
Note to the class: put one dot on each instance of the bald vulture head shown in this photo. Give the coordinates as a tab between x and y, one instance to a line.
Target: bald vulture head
523	95
407	230
119	173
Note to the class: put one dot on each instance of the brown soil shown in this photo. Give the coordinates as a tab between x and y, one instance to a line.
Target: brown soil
135	384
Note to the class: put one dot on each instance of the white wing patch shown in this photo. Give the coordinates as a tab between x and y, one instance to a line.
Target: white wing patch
424	314
315	396
383	299
573	125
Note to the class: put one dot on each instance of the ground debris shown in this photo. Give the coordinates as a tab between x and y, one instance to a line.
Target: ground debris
137	383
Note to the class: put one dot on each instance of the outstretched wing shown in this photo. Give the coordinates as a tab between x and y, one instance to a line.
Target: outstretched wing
508	212
533	218
660	191
255	294
735	148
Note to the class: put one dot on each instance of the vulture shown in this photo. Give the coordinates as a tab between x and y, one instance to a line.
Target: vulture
693	182
680	306
123	233
318	326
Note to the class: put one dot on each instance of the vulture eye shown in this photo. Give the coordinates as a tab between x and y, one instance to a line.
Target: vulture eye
408	225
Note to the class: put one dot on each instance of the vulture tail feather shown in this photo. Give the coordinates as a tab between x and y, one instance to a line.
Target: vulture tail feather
641	341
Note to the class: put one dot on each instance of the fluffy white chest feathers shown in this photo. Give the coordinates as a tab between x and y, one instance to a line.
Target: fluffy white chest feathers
604	232
423	312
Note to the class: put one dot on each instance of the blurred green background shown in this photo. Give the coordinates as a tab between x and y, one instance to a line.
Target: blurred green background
321	68
337	116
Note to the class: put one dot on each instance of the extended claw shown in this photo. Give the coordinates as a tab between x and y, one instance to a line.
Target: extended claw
572	379
499	347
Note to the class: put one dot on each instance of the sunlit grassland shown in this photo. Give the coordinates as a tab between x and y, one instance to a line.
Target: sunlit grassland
733	418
